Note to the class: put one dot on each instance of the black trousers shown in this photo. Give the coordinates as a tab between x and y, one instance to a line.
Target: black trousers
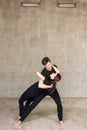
28	96
30	105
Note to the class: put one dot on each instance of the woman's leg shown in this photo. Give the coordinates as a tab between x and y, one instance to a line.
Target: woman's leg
35	102
27	95
22	99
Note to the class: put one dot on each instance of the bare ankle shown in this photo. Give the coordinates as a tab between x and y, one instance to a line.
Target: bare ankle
61	123
19	123
19	117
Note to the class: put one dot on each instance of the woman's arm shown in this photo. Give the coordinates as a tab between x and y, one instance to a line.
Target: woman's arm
42	85
40	75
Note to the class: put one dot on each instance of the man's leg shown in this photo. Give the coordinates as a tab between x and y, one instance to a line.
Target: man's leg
55	96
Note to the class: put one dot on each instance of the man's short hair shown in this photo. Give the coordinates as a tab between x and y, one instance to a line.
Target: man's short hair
45	60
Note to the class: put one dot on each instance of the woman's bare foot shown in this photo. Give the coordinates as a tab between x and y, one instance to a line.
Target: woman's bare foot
19	123
61	123
19	117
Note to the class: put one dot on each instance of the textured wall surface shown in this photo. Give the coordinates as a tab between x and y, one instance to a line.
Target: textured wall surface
27	34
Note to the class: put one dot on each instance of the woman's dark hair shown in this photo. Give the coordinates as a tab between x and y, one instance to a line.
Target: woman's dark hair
45	60
57	78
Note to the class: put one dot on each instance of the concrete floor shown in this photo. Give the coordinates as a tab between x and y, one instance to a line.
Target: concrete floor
44	116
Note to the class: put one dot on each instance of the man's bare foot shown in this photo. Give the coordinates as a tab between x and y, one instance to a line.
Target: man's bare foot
19	123
61	124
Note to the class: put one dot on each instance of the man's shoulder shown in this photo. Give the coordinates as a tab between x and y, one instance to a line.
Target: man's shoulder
43	70
55	65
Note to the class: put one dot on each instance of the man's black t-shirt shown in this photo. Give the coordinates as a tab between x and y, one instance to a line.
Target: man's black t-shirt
47	74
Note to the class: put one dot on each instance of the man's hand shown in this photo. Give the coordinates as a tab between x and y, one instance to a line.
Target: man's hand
52	76
56	69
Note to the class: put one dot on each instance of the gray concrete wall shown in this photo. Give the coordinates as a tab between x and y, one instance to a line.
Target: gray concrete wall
29	34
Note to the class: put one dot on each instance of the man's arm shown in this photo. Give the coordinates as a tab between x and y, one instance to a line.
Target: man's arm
56	70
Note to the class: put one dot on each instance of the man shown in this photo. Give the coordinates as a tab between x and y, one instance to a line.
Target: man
48	70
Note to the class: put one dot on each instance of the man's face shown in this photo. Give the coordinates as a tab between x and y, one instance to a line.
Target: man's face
48	66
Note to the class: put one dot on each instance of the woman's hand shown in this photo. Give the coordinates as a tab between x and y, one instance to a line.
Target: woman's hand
39	75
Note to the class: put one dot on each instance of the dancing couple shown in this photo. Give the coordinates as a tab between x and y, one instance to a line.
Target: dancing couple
46	85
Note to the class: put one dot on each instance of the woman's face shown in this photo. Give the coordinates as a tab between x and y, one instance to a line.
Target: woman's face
52	76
